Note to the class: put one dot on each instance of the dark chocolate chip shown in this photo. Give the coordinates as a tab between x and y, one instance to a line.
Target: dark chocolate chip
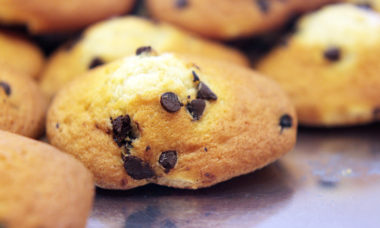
206	149
97	61
128	144
122	129
196	108
263	5
147	148
286	121
204	92
169	101
137	168
333	54
57	125
168	159
188	97
180	4
6	87
195	77
143	49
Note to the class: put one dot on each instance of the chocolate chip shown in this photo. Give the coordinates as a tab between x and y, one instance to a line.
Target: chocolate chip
137	168
263	5
205	149
147	148
204	92
195	77
144	49
169	101
6	87
332	53
128	144
180	4
196	108
286	121
122	129
57	125
95	63
168	159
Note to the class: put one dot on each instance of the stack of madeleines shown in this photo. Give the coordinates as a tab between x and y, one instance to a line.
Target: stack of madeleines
132	100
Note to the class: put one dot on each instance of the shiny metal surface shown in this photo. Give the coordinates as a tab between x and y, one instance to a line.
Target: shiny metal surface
331	179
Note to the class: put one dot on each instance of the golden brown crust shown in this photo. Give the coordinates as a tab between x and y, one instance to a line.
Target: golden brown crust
20	54
60	15
116	38
339	92
237	133
22	104
41	186
229	19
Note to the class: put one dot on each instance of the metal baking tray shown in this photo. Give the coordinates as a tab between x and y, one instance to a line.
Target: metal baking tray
330	179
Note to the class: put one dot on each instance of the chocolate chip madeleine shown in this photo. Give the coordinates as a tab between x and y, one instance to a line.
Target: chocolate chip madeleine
22	105
173	120
229	19
119	37
48	16
41	186
330	68
20	55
